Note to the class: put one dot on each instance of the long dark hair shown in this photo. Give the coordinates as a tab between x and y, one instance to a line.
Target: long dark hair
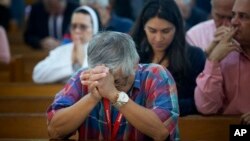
177	50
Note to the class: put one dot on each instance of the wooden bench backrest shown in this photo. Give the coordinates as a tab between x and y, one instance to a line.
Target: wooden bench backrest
206	128
30	124
26	98
14	71
194	128
29	89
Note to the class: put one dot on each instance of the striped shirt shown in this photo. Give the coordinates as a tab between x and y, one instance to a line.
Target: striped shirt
153	88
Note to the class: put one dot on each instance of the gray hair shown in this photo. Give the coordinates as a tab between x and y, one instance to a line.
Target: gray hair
115	50
102	3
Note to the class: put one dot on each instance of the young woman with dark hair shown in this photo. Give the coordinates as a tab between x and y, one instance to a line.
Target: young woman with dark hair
160	38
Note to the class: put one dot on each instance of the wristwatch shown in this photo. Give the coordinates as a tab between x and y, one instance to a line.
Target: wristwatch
121	100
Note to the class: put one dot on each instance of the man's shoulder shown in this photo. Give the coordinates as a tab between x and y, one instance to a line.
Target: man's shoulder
202	34
206	25
153	69
231	59
155	72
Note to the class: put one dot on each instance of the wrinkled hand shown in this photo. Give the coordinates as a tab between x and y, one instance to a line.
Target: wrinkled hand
91	79
219	34
107	87
245	119
222	45
101	82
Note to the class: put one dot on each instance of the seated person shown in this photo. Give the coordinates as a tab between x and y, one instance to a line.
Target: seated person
202	34
4	47
159	35
224	85
116	98
109	19
48	22
64	60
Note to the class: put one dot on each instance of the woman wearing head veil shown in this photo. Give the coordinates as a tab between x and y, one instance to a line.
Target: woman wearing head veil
64	60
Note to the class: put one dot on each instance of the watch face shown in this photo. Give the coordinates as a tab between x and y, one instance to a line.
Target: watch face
123	97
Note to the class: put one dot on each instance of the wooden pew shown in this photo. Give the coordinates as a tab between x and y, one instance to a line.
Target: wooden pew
26	97
14	71
192	128
30	62
21	66
206	128
23	107
24	126
30	58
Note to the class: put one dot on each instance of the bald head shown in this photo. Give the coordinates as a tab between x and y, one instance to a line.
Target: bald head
222	12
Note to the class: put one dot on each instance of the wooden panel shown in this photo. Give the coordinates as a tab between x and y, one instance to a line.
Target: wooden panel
26	97
17	98
25	104
13	72
21	67
192	128
24	126
30	58
29	89
206	128
17	70
30	61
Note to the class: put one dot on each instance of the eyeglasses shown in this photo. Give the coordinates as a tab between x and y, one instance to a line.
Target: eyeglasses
82	27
